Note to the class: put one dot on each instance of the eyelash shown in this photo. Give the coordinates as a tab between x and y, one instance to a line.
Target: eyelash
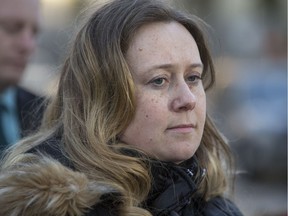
154	81
196	78
194	81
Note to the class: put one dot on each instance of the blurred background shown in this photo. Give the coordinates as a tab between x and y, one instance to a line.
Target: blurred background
249	101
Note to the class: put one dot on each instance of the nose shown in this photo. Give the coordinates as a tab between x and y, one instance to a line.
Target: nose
184	99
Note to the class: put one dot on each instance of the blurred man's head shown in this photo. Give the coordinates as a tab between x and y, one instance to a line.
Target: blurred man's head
19	25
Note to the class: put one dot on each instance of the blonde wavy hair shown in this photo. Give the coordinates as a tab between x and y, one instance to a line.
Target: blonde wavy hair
96	101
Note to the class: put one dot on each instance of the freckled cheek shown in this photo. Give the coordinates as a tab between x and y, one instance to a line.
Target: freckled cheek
152	109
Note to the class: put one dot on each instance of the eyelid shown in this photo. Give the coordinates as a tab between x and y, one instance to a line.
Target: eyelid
196	78
194	73
164	77
199	76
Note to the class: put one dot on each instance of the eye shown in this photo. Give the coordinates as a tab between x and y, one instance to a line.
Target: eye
159	81
11	28
193	79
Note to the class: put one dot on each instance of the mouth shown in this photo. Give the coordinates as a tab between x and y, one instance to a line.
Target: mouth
182	128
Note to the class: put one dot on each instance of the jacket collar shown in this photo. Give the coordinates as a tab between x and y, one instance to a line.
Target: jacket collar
173	185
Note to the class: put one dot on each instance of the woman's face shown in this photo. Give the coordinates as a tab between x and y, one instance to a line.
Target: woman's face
171	102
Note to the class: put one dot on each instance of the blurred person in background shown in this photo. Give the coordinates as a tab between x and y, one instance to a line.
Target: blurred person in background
19	27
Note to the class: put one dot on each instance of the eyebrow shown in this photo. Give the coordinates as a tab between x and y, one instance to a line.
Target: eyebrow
170	66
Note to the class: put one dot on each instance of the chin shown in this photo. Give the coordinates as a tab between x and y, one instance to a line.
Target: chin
182	157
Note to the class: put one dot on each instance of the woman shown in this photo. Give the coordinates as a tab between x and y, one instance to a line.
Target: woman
127	133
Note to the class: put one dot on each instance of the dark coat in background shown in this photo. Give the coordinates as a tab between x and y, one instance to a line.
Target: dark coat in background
30	110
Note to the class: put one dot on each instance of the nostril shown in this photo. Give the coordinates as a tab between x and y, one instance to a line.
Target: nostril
188	106
183	105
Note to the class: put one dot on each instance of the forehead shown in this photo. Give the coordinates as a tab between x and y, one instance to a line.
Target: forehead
169	34
163	42
25	10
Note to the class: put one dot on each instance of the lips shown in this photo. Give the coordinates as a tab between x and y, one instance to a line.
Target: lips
182	128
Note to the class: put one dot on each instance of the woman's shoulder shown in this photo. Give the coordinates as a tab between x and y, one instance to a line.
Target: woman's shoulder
221	206
41	185
52	147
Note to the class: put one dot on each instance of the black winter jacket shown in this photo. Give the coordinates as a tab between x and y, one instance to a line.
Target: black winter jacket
174	193
51	186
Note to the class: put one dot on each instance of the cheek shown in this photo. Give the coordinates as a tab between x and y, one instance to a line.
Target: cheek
202	102
151	115
147	124
202	107
150	109
151	120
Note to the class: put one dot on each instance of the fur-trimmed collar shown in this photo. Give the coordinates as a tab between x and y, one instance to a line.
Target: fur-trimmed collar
46	187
